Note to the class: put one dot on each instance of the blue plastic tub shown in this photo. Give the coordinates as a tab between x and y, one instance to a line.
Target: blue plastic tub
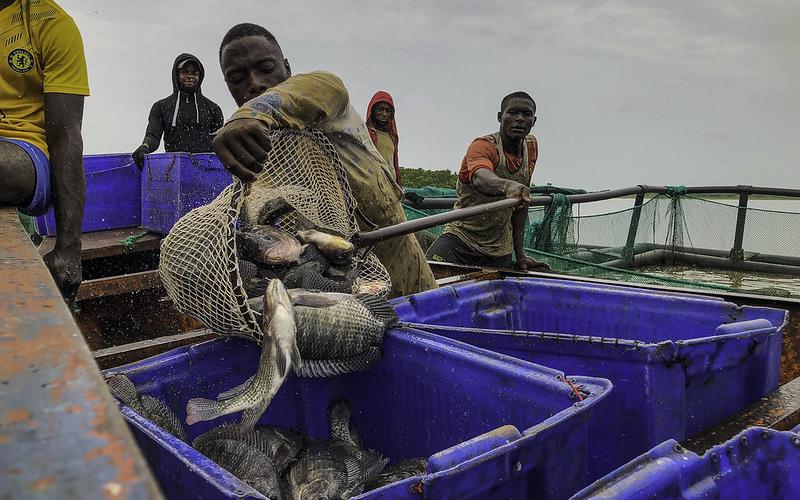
175	183
491	425
679	363
758	463
113	195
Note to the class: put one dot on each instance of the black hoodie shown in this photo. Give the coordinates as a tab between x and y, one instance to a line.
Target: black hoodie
190	128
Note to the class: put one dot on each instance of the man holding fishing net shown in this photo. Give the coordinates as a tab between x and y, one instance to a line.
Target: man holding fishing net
260	80
496	165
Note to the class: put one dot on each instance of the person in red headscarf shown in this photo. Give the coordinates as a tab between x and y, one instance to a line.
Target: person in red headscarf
383	129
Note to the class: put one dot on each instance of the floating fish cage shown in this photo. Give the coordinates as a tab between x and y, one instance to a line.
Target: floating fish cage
489	425
679	363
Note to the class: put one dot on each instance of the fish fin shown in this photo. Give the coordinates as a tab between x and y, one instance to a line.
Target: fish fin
379	307
163	416
201	410
312	299
312	368
375	468
282	363
251	416
235	391
297	361
123	389
273	209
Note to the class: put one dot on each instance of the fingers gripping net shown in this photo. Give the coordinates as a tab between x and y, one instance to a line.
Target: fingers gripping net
199	263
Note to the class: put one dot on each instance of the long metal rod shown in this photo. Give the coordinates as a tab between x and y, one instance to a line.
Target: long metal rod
445	203
371	237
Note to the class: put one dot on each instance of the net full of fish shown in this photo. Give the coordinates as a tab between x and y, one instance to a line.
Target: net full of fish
302	187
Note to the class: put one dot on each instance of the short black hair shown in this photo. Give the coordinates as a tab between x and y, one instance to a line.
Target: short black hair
516	95
244	30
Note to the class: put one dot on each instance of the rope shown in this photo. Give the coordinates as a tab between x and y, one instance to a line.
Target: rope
128	242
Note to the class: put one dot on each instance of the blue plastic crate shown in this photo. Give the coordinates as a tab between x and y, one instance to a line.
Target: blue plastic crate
113	195
492	425
679	363
175	183
757	463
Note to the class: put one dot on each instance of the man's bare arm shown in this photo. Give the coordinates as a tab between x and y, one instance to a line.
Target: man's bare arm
63	118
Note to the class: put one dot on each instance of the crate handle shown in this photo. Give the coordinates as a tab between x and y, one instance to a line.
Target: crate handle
476	446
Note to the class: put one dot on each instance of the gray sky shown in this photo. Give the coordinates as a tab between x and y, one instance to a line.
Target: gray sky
628	91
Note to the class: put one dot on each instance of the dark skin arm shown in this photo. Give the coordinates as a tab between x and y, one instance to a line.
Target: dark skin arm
63	118
489	184
242	146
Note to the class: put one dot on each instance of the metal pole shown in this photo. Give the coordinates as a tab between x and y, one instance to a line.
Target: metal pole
627	252
737	252
371	237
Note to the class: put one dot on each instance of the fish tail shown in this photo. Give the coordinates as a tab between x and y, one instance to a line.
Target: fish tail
123	389
339	421
201	410
379	307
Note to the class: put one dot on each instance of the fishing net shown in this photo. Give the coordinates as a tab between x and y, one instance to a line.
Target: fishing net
674	239
199	266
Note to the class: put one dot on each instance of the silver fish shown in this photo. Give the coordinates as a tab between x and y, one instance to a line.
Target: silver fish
336	248
268	245
339	333
278	354
245	462
338	468
149	407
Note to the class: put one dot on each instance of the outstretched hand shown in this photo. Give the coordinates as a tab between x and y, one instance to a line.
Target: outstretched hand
243	146
526	263
66	269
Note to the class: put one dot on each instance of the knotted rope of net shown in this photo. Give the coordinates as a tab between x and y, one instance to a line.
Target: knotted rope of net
199	264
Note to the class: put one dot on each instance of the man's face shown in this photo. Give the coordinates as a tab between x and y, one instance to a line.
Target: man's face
189	75
252	65
517	119
382	113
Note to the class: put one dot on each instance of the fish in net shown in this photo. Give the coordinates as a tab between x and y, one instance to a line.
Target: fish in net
199	264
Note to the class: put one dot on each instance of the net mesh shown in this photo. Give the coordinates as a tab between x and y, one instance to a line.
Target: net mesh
199	265
678	240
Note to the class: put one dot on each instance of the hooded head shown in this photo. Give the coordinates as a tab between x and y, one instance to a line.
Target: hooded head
187	74
382	117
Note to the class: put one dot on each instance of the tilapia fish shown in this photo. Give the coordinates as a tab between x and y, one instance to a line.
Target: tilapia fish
245	462
339	333
278	354
267	245
338	468
281	445
310	276
403	469
336	248
149	407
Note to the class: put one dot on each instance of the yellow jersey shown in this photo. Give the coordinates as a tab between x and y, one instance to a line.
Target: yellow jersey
41	52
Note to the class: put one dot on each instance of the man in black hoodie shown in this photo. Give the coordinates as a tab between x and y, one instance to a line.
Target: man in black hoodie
187	118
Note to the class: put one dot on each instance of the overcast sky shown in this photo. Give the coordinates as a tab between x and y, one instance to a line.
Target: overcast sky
628	91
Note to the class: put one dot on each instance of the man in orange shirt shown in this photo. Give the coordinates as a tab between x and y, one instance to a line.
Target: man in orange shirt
496	165
42	89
